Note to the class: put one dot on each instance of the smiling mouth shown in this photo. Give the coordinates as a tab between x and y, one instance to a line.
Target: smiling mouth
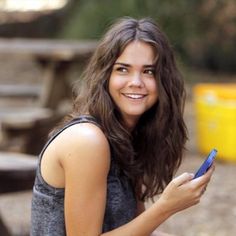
134	96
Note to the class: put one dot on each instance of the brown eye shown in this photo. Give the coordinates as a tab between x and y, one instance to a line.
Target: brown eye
122	69
149	72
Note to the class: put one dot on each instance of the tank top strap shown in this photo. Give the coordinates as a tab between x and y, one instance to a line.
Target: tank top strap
80	119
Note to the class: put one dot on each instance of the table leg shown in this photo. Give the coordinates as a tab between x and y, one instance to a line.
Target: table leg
55	84
3	229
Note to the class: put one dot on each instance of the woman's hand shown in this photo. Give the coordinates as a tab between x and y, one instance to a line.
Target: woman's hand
184	191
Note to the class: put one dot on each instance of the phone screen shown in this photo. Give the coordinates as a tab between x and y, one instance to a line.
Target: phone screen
206	164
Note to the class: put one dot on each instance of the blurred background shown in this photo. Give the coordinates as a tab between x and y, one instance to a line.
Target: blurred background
44	46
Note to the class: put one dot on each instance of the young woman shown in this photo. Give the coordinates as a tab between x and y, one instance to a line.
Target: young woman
122	143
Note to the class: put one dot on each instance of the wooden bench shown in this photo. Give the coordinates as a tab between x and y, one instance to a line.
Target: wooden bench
23	117
26	127
19	91
17	173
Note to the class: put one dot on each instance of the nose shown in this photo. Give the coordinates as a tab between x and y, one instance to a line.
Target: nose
136	80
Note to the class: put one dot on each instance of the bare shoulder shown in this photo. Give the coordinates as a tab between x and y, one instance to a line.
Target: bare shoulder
83	141
82	132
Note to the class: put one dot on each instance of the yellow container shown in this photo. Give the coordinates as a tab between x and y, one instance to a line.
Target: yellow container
215	107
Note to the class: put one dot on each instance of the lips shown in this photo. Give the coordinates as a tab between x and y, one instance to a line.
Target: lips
134	95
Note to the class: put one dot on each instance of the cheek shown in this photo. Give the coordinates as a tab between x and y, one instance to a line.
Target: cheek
152	88
153	91
115	84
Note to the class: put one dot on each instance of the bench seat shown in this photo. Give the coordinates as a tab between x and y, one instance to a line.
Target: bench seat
19	91
23	117
17	171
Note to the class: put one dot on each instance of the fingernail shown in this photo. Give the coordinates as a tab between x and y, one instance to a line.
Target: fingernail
191	175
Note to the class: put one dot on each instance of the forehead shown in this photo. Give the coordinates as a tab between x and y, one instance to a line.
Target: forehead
138	52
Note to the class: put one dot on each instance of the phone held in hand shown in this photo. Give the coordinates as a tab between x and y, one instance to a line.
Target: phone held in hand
206	164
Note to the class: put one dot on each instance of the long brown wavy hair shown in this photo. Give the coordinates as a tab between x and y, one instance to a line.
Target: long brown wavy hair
151	154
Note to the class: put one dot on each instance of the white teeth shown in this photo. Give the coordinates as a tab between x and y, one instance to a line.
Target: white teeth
134	96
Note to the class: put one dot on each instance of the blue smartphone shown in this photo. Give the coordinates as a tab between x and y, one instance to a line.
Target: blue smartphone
206	164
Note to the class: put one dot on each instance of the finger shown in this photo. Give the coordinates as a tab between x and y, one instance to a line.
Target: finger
204	179
211	169
209	172
181	179
203	190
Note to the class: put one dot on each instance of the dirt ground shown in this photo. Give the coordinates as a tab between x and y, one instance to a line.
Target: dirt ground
215	215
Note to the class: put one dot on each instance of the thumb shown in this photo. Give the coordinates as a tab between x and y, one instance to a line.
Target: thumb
181	179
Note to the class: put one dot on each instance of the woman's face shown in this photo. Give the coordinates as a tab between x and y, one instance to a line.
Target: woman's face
132	84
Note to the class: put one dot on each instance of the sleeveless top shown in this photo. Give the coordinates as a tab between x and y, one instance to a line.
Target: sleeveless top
47	209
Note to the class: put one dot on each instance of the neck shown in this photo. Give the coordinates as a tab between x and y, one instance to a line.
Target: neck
130	124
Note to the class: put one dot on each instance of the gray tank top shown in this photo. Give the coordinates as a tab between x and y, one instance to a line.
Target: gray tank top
47	211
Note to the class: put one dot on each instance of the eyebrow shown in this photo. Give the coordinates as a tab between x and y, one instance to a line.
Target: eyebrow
128	65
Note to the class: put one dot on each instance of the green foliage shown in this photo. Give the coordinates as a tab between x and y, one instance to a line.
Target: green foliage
202	31
90	18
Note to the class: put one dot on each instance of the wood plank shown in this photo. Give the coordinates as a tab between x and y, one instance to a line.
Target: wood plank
20	91
46	48
56	58
17	171
23	117
29	128
10	161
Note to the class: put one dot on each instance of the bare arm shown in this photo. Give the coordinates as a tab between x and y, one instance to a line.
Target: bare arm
140	210
86	162
181	193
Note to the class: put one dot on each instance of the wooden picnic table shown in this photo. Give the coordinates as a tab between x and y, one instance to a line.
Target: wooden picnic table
56	58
